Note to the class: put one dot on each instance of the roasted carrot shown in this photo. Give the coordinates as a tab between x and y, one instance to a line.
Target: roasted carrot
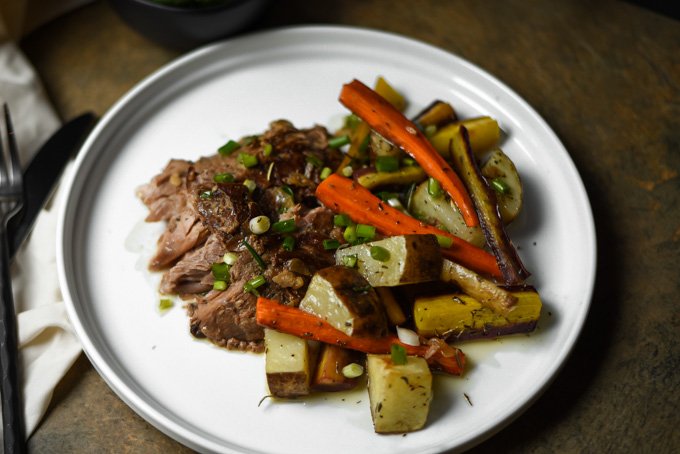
343	195
287	319
387	121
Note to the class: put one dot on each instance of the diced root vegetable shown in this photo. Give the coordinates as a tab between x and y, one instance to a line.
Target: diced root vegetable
400	395
287	364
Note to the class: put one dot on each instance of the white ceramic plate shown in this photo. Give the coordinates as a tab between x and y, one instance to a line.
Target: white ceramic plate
208	398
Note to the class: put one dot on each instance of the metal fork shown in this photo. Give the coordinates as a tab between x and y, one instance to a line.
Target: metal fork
11	202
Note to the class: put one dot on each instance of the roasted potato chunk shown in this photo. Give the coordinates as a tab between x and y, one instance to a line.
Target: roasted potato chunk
345	299
400	395
287	364
409	259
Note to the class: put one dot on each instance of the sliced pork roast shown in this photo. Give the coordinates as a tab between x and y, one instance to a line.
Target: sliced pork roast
207	206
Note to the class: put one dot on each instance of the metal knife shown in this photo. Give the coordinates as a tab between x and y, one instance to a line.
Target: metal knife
43	173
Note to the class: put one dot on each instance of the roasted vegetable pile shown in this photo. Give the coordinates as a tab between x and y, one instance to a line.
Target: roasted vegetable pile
423	259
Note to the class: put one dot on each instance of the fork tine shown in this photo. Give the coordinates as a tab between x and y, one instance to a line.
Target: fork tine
14	172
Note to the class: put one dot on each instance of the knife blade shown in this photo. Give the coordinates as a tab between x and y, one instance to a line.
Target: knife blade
43	173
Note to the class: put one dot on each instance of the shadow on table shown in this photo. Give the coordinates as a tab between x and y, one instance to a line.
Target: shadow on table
586	359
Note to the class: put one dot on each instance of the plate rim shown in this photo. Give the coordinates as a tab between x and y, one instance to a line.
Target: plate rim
180	432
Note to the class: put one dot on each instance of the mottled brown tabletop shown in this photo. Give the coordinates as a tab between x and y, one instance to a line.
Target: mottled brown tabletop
604	74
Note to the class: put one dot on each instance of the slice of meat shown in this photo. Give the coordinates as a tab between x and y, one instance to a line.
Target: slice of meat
164	195
193	273
183	233
223	208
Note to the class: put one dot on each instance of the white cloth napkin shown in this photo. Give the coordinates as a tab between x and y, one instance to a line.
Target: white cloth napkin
48	346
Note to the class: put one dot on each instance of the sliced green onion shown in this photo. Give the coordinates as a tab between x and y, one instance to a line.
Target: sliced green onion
337	142
341	220
267	149
286	226
288	243
387	163
164	304
288	190
220	285
255	255
500	186
205	195
434	188
398	354
325	173
365	231
228	148
313	160
230	258
248	160
259	225
223	178
353	370
253	284
220	271
250	184
379	253
409	196
408	162
269	171
350	234
331	244
349	261
444	241
347	171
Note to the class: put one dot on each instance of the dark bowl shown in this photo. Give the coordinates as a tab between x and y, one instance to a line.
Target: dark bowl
186	27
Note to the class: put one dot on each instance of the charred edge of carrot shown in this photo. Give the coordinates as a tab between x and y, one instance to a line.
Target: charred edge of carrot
382	117
344	195
287	319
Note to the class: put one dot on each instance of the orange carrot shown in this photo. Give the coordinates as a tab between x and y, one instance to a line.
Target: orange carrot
287	319
343	195
395	127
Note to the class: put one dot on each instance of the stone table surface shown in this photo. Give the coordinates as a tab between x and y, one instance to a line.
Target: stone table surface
605	75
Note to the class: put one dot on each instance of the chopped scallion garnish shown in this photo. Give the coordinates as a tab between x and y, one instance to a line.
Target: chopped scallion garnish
398	354
379	253
255	255
408	162
220	271
331	244
337	142
444	241
205	195
288	190
434	188
286	226
220	285
223	178
387	163
365	231
269	171
259	225
500	185
350	233
228	148
250	184
230	258
267	149
349	261
325	173
164	304
288	243
341	220
248	160
253	284
353	370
